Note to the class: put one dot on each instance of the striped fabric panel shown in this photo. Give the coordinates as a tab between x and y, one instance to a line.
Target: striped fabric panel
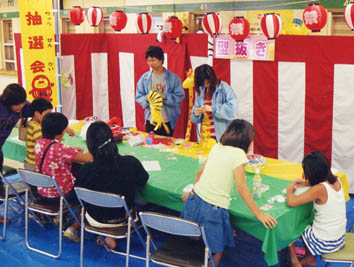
34	132
318	246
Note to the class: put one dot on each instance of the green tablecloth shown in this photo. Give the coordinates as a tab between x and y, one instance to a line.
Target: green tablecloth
165	188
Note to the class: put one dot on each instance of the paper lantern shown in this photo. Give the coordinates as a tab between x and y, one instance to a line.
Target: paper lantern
349	15
143	22
77	15
212	23
118	20
315	17
271	25
239	28
173	27
94	16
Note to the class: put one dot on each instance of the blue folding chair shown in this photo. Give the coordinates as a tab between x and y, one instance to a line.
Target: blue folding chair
41	180
190	248
346	254
107	200
13	192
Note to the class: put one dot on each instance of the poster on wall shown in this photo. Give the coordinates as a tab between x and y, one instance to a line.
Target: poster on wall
38	47
254	47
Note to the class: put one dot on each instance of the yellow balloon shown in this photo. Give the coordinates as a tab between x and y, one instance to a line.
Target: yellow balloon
296	27
183	16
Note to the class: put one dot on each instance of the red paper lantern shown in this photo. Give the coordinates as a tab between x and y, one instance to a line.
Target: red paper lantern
77	15
212	23
173	27
239	28
143	22
118	20
271	25
94	16
349	15
315	17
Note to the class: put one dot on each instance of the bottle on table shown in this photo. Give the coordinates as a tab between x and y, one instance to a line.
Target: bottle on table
257	184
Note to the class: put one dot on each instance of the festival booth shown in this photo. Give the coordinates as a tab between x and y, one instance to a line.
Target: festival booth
300	102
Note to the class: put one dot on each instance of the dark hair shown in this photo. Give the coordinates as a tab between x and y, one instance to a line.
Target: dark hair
53	124
100	143
239	133
202	73
156	52
40	105
13	94
317	168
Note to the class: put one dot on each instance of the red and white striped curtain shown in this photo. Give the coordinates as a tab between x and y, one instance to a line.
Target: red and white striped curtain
303	101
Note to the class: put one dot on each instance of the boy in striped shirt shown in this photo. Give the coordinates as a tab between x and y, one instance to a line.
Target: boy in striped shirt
38	109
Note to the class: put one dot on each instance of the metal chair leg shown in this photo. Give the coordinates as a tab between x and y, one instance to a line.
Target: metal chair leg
147	250
82	238
128	242
2	237
55	256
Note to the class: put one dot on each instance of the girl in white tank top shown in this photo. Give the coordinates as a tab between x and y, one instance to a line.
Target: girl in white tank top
326	235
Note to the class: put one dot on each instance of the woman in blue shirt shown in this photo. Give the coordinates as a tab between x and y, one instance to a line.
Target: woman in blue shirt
215	104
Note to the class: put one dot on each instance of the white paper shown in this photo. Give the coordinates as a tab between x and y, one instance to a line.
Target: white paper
152	165
15	138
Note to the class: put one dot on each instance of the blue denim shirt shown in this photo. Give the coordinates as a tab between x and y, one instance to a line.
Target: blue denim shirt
174	95
224	107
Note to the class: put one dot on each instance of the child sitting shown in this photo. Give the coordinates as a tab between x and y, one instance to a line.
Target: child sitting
112	173
38	109
326	235
209	202
57	163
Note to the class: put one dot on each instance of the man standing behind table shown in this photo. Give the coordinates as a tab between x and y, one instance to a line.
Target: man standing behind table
167	84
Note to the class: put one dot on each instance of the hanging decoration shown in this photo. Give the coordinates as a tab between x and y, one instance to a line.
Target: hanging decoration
172	27
77	15
212	23
315	17
239	28
118	20
271	25
349	15
188	83
143	23
94	16
295	27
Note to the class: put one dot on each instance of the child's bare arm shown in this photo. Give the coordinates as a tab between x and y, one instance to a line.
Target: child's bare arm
83	157
240	178
199	173
315	192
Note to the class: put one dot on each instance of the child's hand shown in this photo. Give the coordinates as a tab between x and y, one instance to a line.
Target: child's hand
198	111
207	108
299	182
290	188
70	131
79	149
185	196
267	220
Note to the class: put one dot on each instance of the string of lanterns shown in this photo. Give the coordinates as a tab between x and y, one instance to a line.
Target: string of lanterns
314	17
